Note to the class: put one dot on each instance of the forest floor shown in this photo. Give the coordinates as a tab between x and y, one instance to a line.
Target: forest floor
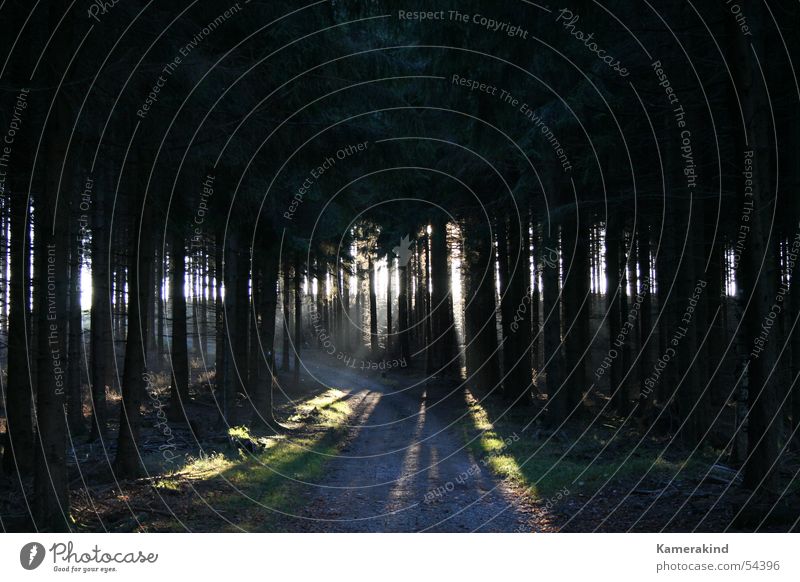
399	452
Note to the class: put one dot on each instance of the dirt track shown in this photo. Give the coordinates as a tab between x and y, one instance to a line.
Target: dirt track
406	468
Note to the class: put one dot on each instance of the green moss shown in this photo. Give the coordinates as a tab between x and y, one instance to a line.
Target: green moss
544	467
269	482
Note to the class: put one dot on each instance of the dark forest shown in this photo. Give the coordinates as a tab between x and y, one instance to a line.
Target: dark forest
371	266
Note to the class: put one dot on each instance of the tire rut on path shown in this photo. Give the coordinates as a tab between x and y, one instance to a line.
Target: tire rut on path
405	468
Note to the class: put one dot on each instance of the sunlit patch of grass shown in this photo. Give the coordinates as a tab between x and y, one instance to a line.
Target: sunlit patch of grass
170	485
490	447
535	463
203	467
239	432
480	418
325	408
270	477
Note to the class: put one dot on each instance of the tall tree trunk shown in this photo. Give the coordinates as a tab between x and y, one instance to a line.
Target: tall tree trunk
128	462
204	279
235	302
389	283
51	497
373	307
253	315
443	334
75	417
480	322
268	304
346	320
18	450
518	369
298	320
427	302
553	352
794	297
4	251
576	284
535	299
623	341
179	388
421	339
220	341
507	305
287	282
102	347
160	306
692	400
51	488
645	316
613	312
758	267
402	313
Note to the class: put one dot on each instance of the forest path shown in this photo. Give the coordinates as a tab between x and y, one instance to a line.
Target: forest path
406	468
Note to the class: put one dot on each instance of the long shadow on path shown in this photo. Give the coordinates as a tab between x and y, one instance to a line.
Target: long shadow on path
406	467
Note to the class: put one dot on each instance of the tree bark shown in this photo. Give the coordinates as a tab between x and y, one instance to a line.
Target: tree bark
128	462
402	314
575	244
613	312
373	307
298	320
268	304
18	451
553	354
179	388
75	417
389	283
287	311
51	489
758	269
443	336
235	303
483	368
102	347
